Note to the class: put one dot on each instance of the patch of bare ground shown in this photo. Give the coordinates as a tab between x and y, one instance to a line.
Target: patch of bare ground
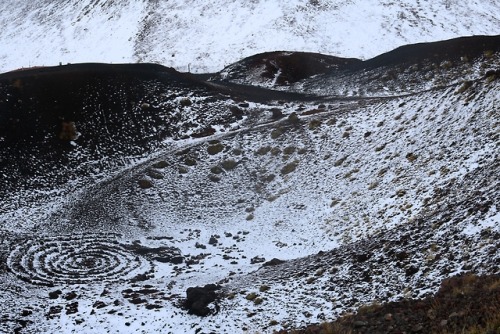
467	304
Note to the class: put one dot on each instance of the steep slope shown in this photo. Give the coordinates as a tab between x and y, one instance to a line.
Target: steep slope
206	37
300	207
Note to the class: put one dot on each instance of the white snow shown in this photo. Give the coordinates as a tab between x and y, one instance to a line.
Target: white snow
205	37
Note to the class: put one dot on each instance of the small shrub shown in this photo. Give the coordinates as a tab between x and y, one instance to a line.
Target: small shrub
183	170
275	151
488	53
213	178
190	162
400	192
315	123
276	113
289	168
258	301
351	173
145	184
340	161
216	170
250	217
68	131
446	64
263	150
160	164
268	178
251	296
237	151
264	288
466	85
289	150
155	174
490	78
382	171
293	118
272	198
229	164
444	171
215	149
276	133
411	157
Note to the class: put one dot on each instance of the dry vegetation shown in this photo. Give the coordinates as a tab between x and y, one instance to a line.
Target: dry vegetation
466	304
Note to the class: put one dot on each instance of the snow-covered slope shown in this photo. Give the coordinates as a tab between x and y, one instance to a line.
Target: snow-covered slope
365	199
205	37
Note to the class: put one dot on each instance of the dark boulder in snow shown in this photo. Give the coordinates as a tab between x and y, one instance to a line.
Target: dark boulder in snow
198	298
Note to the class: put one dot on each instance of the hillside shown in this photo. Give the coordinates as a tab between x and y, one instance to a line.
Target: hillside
200	37
123	186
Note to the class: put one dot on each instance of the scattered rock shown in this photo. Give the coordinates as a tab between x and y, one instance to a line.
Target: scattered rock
55	294
198	299
236	112
276	113
54	311
70	295
72	308
213	241
362	257
26	313
200	246
99	304
153	306
412	270
257	259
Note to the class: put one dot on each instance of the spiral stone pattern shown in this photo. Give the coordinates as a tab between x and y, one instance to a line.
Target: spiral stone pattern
75	259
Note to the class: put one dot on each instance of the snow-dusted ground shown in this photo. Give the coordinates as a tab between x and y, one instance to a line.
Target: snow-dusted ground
377	199
371	199
200	37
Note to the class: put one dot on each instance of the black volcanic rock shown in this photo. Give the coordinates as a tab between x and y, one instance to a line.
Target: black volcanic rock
59	123
198	299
